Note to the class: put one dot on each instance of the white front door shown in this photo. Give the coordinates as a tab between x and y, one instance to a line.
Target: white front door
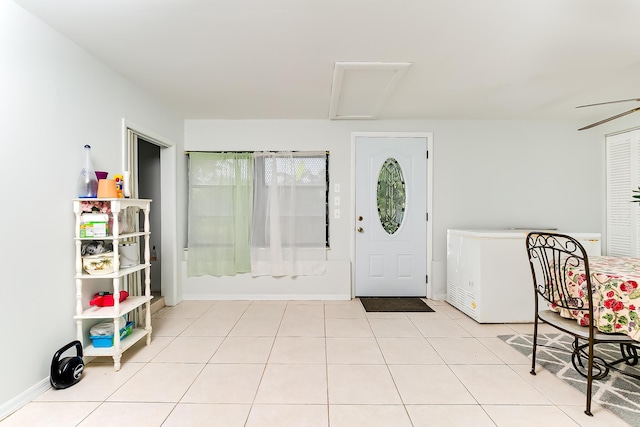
391	216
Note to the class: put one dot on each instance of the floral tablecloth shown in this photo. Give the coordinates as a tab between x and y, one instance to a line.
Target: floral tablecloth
616	295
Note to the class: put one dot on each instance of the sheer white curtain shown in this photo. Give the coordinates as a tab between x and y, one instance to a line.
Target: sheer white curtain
220	207
289	219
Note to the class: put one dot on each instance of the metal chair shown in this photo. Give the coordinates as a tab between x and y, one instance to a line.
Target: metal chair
551	257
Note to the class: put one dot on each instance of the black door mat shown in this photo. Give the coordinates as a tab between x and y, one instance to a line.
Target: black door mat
392	304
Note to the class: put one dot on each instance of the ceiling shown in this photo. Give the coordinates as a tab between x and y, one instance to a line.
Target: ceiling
275	59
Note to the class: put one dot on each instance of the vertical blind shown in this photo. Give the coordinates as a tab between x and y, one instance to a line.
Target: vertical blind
623	176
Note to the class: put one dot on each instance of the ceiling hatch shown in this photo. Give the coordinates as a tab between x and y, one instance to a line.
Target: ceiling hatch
360	89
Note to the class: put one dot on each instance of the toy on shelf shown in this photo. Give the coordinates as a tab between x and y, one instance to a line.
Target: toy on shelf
105	299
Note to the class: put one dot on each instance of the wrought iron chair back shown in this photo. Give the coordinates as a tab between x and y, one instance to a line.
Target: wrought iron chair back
561	277
552	256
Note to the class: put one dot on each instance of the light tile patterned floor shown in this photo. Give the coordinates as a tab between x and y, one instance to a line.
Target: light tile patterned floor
315	363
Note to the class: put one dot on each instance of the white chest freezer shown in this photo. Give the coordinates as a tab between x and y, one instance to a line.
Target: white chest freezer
488	273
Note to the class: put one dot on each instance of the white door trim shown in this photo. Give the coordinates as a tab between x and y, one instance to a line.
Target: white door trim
168	204
352	221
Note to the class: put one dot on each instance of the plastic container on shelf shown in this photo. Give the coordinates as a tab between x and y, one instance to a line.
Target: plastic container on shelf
129	254
105	299
102	333
94	225
98	264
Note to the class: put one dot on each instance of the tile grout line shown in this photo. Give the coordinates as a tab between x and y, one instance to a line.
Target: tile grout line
266	363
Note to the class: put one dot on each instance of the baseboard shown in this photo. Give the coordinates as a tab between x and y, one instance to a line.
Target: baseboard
157	304
22	399
263	297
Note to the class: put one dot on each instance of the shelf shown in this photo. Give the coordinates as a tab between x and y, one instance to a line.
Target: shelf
110	237
121	273
115	207
136	335
109	312
121	202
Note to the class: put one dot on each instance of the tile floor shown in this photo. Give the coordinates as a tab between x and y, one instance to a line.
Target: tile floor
315	363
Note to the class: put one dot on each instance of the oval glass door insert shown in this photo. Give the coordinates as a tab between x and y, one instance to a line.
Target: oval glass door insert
391	195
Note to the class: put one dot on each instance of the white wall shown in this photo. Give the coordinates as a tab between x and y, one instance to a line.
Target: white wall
231	135
487	174
55	98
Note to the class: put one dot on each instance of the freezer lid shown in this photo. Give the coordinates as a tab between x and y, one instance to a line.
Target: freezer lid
519	233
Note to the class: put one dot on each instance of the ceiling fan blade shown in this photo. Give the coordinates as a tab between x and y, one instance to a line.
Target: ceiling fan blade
617	116
609	102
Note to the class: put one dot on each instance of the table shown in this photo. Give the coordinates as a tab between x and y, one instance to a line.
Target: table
616	294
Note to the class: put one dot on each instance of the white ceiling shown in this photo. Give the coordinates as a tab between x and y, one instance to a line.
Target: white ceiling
274	59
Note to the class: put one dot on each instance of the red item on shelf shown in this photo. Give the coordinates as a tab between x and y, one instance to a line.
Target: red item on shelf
107	300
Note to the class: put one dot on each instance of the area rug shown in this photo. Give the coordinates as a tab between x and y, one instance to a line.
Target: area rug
392	304
618	393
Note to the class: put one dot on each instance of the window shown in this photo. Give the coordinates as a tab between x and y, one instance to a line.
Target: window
261	212
304	181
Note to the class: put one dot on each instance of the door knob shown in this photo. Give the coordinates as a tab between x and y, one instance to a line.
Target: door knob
360	230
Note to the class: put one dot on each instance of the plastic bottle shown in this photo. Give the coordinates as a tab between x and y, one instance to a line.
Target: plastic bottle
87	181
154	254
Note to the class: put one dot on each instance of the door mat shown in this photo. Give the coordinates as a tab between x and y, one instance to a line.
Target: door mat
616	392
391	304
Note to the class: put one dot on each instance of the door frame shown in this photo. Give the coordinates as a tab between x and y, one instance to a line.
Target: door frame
429	188
168	204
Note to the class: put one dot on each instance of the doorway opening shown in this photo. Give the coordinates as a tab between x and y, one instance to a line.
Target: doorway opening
151	160
149	187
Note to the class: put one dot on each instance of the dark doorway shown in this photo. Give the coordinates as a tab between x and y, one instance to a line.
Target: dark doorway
149	187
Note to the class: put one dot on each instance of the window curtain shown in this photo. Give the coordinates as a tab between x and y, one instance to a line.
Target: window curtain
289	219
220	209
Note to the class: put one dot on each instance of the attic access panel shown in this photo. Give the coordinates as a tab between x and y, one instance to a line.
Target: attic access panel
360	89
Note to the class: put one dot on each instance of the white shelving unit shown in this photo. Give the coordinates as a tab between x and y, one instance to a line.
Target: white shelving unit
136	299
